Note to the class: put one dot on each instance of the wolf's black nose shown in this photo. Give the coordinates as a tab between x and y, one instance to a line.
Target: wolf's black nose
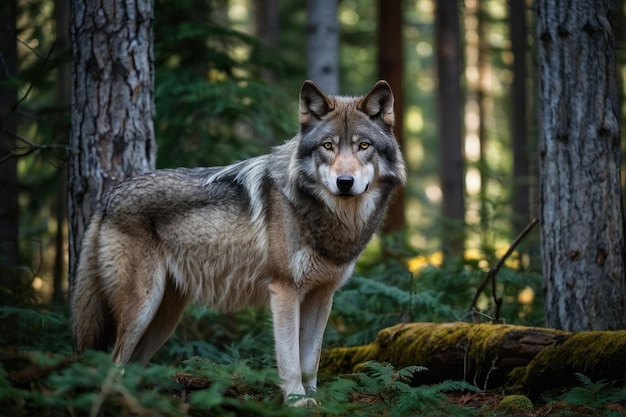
344	182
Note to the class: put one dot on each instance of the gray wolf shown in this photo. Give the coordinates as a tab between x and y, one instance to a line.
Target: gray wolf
284	228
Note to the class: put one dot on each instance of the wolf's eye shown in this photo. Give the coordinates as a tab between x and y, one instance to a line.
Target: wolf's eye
364	145
328	145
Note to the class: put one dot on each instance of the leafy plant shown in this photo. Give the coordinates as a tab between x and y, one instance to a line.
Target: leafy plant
397	397
35	327
601	395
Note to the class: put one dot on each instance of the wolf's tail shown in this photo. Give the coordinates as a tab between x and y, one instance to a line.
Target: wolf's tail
90	318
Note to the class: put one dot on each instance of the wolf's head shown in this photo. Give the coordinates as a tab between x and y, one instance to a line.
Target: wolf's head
347	143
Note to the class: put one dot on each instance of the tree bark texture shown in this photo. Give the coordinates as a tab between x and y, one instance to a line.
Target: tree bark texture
323	44
9	278
390	64
112	135
451	166
489	355
582	238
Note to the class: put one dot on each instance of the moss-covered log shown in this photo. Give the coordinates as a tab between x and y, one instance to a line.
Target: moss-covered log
489	355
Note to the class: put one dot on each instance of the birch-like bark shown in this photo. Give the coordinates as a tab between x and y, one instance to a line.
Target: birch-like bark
322	49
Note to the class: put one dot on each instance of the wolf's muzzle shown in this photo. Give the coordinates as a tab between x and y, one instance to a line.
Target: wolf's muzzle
344	182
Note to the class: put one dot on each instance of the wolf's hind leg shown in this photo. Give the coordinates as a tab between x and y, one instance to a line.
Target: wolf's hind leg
162	325
138	306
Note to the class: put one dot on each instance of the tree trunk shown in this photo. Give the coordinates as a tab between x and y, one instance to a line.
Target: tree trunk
485	111
9	278
323	44
62	93
112	134
519	122
489	355
266	28
390	64
449	126
582	238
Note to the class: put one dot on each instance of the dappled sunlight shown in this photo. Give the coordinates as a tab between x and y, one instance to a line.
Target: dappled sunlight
526	296
417	263
472	180
433	192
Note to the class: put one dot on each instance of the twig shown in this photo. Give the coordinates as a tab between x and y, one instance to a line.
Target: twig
105	390
493	368
491	275
30	87
31	147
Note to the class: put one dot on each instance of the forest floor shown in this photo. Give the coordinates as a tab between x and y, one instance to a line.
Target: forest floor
51	385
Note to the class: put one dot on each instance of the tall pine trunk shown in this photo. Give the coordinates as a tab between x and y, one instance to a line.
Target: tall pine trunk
9	278
582	238
519	122
390	64
451	165
267	29
62	96
112	135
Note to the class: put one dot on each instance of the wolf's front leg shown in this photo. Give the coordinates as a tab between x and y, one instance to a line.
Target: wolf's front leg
285	306
314	313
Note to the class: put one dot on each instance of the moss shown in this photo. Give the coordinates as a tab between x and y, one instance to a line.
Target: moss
475	345
346	360
515	405
489	354
598	355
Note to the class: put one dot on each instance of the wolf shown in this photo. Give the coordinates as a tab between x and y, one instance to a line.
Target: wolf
285	228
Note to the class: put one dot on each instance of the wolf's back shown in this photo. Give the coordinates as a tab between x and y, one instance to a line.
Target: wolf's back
90	313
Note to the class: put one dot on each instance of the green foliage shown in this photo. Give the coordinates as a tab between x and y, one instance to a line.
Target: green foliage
394	396
597	394
369	304
213	106
385	293
35	383
35	327
40	378
243	336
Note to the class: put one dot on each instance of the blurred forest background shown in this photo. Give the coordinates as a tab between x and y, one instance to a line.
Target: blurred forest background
226	82
226	88
227	74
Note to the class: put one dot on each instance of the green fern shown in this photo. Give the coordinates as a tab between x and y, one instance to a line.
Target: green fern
34	327
397	397
595	394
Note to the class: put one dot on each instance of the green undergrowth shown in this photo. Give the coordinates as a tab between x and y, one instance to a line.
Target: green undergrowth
232	375
36	383
223	364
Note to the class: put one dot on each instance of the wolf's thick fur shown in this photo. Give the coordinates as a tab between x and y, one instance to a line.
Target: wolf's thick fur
286	227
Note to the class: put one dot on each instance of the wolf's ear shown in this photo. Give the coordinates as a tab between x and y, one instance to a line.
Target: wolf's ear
314	104
378	103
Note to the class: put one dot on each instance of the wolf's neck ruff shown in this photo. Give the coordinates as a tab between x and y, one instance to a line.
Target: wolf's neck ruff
286	227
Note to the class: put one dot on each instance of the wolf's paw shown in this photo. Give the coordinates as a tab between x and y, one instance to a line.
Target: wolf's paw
301	401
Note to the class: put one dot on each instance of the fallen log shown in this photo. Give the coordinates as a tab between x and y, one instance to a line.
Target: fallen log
489	355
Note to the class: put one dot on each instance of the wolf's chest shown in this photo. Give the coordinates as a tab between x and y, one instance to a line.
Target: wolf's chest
309	269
